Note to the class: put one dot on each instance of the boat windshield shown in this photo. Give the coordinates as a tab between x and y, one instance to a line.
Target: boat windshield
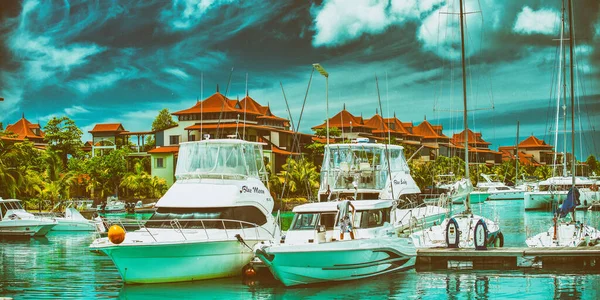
220	159
8	205
218	217
362	165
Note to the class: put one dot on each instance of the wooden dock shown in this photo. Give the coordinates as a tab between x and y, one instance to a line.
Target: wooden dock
580	258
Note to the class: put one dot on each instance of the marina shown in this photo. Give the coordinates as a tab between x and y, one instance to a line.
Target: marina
257	190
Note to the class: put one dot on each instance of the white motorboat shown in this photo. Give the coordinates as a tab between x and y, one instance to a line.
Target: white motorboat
74	221
112	205
498	190
553	191
207	223
312	253
15	221
463	230
566	234
369	171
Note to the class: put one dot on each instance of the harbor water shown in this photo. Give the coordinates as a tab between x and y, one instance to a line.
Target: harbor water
60	266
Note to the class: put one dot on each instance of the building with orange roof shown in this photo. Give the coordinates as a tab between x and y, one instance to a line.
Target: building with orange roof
351	126
23	130
110	136
479	149
540	152
433	140
220	117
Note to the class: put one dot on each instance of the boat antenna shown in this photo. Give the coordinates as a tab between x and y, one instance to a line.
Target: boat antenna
245	107
465	114
387	152
224	100
574	160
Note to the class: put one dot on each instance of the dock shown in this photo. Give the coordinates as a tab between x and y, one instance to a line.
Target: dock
580	258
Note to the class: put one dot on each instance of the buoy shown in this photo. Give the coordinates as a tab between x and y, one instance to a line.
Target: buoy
250	272
116	234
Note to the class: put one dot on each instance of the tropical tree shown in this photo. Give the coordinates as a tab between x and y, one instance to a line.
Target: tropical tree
142	184
164	120
302	177
63	136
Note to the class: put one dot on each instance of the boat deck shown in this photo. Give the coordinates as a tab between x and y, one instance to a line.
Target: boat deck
509	258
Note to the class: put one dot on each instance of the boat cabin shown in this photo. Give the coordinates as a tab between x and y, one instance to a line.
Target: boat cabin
10	206
319	222
359	171
564	183
221	159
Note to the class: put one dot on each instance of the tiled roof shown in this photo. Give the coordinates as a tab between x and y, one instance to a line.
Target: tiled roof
342	120
108	127
474	138
426	130
165	149
378	124
24	129
217	102
533	142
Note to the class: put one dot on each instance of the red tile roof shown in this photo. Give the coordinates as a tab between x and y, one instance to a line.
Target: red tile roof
533	142
108	127
342	120
165	149
217	102
378	124
24	130
428	131
474	138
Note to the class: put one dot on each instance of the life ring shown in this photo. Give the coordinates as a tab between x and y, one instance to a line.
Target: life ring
499	240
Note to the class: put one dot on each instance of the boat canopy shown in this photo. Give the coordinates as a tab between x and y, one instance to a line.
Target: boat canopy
332	206
368	162
220	158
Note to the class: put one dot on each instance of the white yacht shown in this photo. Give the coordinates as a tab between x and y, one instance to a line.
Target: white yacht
112	205
566	234
553	191
498	190
369	171
312	252
74	221
207	223
15	221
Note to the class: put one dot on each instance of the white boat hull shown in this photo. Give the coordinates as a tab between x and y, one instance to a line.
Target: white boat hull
543	200
185	261
512	195
337	261
74	225
435	236
25	228
567	235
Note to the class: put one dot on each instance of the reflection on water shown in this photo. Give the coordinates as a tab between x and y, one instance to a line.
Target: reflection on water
60	266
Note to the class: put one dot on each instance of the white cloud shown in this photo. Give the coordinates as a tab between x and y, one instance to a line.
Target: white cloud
102	80
75	109
338	22
185	14
543	21
177	73
440	31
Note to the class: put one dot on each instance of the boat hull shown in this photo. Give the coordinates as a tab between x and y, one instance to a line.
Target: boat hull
25	228
72	225
337	261
543	200
185	261
474	198
513	195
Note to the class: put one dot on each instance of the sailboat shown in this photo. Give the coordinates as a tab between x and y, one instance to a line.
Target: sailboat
463	230
565	232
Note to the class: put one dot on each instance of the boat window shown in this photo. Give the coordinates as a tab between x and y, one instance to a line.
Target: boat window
305	221
207	217
328	220
502	188
371	218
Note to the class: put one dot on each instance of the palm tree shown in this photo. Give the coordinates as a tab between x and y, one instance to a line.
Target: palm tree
302	176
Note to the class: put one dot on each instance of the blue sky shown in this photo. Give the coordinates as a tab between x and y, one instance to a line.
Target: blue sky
123	61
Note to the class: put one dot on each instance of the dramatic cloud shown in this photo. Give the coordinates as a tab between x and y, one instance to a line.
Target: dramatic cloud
185	14
103	80
177	73
74	110
337	22
543	21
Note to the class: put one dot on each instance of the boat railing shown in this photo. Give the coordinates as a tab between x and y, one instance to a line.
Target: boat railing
231	228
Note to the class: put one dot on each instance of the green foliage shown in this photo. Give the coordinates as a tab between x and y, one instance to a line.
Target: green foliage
302	178
333	132
142	184
163	120
593	164
63	136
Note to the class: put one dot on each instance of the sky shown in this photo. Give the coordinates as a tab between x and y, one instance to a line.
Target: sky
122	61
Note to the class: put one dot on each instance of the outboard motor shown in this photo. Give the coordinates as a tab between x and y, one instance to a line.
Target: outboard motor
452	234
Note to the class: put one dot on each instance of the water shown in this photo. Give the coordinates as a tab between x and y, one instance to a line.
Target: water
60	266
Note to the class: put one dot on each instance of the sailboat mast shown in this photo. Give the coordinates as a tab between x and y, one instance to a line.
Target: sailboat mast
464	83
564	83
517	156
570	4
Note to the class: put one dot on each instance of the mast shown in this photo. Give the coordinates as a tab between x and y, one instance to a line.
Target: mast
570	4
558	88
564	96
464	83
517	156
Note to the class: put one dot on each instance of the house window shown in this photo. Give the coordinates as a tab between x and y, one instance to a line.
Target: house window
160	162
174	140
192	138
